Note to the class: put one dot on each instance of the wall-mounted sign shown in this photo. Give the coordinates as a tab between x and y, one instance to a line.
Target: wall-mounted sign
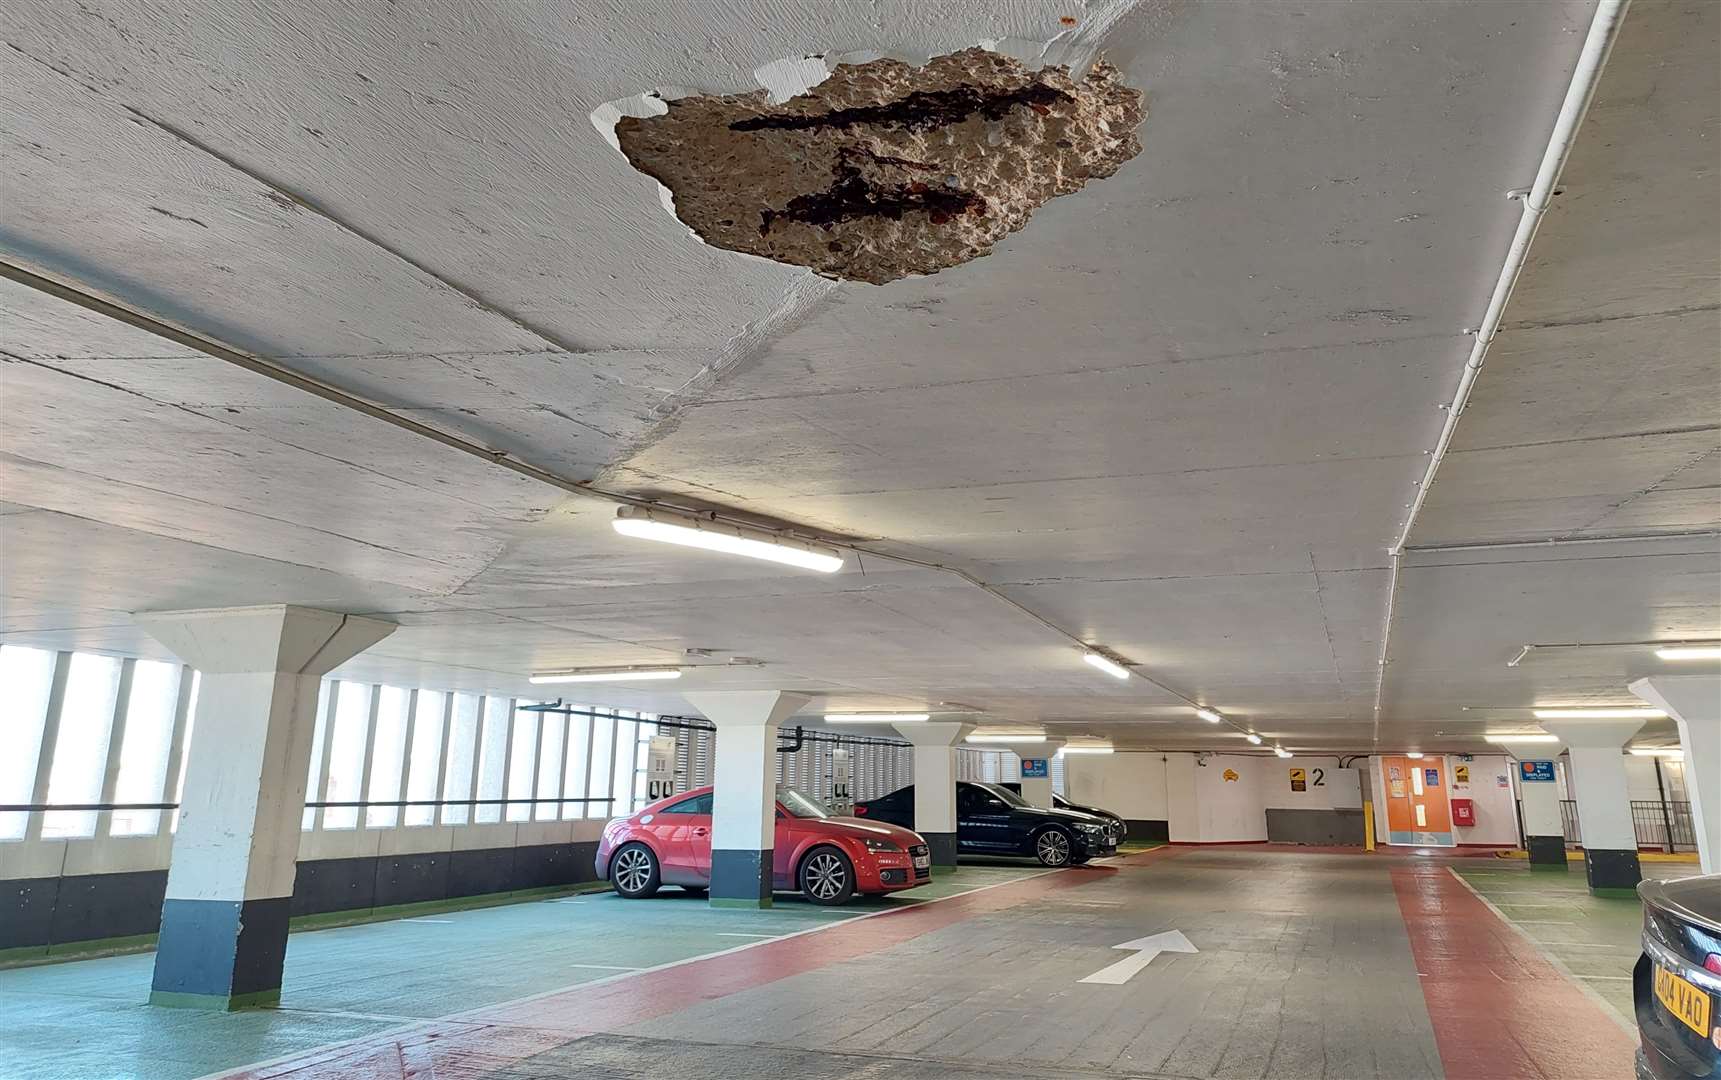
1035	768
842	775
1299	780
1502	780
1395	788
1229	776
1431	777
1460	774
1536	772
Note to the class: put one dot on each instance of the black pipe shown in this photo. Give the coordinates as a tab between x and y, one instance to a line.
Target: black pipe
1661	790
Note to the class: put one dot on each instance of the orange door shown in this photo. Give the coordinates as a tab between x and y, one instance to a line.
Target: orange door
1417	809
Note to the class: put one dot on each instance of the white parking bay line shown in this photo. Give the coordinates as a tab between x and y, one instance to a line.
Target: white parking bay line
605	967
1543	922
734	933
438	922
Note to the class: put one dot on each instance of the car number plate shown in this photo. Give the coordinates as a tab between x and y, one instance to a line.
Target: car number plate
921	862
1689	1003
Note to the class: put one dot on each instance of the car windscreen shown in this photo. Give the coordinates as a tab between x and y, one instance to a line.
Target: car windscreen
1010	797
799	805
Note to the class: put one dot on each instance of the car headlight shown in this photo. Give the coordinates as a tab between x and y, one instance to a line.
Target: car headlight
1091	829
880	845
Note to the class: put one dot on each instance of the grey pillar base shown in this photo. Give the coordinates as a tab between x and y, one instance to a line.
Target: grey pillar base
942	845
1546	852
220	954
741	878
1612	873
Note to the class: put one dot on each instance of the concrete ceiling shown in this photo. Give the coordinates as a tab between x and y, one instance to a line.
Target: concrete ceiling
1179	414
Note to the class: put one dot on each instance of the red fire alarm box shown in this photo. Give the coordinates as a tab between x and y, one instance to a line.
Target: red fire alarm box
1463	812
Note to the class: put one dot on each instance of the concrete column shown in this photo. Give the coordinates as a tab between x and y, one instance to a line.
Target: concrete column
1694	702
935	745
744	810
230	882
1038	790
1544	831
1604	801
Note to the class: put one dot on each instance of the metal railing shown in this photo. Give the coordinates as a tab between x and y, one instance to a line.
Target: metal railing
1657	823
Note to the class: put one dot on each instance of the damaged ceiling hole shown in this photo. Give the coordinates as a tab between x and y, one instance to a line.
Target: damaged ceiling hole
885	170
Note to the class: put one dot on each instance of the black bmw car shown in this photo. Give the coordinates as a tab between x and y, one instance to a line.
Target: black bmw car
1676	986
1117	825
993	820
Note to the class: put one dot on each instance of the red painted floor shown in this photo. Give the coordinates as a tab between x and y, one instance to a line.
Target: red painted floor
1499	1009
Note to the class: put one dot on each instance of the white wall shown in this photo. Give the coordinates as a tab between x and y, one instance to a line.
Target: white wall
1130	785
1496	806
1203	807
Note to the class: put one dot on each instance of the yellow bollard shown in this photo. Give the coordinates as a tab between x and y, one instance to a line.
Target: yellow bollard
1368	825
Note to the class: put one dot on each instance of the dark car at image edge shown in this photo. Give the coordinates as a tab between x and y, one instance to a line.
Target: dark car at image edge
1676	986
993	820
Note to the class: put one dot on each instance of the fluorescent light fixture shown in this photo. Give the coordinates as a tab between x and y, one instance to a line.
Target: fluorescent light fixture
1086	750
1690	652
1106	664
876	718
1005	738
1282	752
1254	739
1414	755
671	527
1508	737
1210	715
1598	714
605	675
1658	751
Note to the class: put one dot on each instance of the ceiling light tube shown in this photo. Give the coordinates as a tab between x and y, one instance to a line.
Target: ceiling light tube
1210	715
1106	664
1282	752
877	718
1658	751
604	675
1086	750
1508	737
672	527
1598	714
1414	755
1690	652
1005	738
1254	739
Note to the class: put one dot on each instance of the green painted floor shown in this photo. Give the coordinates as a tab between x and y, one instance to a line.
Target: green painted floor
86	1019
1594	938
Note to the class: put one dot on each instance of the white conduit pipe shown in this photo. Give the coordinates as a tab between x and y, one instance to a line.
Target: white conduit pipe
1604	31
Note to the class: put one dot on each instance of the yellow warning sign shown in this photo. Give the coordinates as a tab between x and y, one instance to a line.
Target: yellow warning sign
1299	780
1230	775
1461	774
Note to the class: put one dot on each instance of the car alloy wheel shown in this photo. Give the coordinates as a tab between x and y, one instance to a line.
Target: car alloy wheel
634	872
1052	848
826	877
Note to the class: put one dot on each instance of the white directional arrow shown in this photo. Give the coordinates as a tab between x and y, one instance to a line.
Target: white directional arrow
1146	948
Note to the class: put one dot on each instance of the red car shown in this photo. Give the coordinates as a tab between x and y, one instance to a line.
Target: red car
828	859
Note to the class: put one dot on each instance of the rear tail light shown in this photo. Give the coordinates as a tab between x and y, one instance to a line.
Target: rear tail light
860	811
1712	962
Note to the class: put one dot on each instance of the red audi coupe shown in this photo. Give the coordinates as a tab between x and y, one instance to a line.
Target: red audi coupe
828	859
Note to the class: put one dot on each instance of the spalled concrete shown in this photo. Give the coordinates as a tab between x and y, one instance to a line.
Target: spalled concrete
884	169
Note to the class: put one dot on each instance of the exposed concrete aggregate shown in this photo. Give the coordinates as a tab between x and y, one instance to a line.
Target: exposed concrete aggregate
885	170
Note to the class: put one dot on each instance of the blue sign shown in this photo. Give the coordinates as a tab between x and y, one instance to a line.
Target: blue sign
1536	772
1431	777
1035	768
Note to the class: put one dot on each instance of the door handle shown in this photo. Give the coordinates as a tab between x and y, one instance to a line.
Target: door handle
701	832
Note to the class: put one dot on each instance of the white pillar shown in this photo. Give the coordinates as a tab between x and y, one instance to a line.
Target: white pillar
744	810
1544	828
1597	755
935	746
1694	702
1038	789
230	882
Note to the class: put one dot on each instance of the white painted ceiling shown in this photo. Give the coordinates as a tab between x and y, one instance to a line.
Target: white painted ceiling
1179	414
